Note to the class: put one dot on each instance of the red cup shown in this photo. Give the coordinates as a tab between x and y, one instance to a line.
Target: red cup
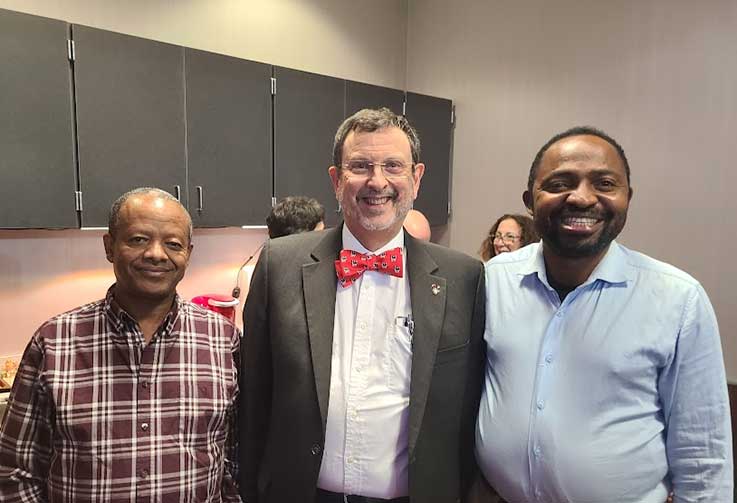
223	304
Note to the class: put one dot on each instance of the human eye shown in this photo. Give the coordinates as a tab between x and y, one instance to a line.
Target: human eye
394	167
137	240
606	184
556	185
174	245
359	166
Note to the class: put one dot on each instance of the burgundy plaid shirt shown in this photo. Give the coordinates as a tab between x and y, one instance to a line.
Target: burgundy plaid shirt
96	415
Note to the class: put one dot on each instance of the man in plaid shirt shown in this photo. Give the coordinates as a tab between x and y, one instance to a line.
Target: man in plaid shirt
133	397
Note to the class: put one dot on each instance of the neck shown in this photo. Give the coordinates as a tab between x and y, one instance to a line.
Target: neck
148	313
373	240
567	273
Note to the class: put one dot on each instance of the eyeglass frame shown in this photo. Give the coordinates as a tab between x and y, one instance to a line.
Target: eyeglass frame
507	237
372	167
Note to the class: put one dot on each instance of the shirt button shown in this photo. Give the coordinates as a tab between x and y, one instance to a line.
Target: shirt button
144	384
559	314
144	426
363	325
350	459
143	473
540	405
549	358
315	449
536	451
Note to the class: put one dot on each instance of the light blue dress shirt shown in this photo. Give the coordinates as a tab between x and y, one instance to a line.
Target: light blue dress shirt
617	394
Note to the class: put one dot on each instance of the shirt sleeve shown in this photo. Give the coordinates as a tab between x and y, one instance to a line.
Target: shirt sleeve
26	434
693	391
230	491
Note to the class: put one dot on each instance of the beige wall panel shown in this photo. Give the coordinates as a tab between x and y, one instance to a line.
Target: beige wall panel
658	75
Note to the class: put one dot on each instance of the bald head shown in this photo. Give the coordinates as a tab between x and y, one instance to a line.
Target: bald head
417	225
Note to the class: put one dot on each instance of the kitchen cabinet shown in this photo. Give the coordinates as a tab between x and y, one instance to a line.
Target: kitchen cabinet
359	95
432	117
37	164
229	164
308	108
130	117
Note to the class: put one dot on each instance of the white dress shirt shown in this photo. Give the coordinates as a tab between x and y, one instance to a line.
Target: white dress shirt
366	442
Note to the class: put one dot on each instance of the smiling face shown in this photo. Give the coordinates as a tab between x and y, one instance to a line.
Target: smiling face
149	250
506	229
579	197
374	206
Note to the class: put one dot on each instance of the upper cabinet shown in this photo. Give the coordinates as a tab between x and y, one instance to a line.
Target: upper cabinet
88	114
359	95
433	119
37	168
308	109
130	117
228	103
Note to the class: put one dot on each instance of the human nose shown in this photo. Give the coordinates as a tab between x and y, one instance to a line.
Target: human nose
583	195
155	251
377	177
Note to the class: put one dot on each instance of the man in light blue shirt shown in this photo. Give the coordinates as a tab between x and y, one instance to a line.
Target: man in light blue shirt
605	380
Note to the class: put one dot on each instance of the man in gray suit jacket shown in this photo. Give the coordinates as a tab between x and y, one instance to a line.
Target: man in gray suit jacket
363	346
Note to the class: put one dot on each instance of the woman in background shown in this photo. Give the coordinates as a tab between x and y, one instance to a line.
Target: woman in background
509	233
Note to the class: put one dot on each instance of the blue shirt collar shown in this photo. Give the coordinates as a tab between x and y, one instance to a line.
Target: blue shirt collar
613	268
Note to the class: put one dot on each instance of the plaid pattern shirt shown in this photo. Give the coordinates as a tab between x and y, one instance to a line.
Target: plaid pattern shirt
95	414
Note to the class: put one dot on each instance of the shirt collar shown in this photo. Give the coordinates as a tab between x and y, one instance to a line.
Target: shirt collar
121	320
613	267
350	242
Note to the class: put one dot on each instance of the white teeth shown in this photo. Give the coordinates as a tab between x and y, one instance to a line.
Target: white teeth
376	200
579	221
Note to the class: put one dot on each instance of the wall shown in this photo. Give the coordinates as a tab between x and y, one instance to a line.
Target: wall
43	273
659	75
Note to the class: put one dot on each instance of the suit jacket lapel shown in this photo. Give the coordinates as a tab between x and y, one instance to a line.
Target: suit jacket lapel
319	283
428	296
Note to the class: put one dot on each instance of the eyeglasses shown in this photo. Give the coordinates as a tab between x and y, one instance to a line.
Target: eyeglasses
507	237
362	168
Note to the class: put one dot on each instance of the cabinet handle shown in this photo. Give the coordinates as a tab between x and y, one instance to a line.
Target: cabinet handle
178	193
199	198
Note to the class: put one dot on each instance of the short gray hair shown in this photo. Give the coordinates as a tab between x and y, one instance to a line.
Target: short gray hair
114	216
369	120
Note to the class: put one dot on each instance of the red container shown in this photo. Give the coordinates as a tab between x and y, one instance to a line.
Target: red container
223	304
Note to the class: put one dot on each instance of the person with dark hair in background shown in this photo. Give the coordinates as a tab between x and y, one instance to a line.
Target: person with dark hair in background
295	214
132	397
363	351
605	379
510	232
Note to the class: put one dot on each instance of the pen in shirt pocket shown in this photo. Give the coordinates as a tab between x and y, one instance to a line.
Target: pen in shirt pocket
408	322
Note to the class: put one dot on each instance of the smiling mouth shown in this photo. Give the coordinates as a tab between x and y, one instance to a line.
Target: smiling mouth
580	224
376	201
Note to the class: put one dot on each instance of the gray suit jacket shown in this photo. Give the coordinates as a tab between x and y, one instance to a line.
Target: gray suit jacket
288	339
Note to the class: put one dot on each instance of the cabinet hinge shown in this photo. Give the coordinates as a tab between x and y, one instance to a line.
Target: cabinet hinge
78	200
273	202
404	107
448	208
453	115
273	86
70	50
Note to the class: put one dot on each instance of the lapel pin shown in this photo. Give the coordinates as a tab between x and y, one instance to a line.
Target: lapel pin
435	288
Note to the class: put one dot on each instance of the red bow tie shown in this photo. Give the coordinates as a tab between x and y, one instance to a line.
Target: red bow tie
352	264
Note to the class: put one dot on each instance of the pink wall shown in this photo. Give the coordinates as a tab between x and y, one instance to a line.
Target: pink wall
45	272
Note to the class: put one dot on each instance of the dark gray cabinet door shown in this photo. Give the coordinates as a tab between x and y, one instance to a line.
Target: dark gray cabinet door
228	139
308	109
130	117
432	118
359	95
37	165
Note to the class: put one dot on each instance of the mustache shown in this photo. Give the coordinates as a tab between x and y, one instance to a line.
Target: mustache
374	193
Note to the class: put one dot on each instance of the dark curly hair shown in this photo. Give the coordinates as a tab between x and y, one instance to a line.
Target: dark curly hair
529	234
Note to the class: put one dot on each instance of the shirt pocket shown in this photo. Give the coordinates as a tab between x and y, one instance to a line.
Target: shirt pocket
398	358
